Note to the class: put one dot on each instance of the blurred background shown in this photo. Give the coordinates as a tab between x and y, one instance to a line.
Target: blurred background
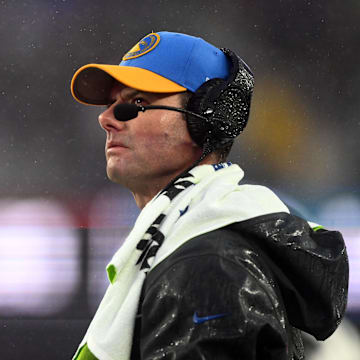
61	219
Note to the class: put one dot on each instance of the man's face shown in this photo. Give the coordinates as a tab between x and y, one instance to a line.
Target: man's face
154	146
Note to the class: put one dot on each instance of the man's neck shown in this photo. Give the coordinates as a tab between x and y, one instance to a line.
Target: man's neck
143	195
142	199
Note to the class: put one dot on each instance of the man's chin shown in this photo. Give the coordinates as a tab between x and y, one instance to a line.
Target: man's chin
119	177
114	175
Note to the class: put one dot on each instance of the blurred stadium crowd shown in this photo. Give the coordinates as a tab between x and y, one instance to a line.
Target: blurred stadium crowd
61	219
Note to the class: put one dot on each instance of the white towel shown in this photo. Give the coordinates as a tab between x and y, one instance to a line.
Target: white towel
207	198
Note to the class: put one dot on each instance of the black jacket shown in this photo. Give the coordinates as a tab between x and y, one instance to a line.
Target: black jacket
243	292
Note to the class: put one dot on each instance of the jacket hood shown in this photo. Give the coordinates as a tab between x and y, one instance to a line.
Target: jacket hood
310	267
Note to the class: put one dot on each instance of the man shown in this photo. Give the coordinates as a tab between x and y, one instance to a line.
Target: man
212	269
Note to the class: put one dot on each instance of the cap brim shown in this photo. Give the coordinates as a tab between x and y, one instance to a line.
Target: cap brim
92	83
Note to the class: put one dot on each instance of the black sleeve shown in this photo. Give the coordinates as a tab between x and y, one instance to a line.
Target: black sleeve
211	306
311	268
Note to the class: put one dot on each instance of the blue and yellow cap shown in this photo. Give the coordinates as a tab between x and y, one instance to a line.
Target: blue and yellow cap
163	62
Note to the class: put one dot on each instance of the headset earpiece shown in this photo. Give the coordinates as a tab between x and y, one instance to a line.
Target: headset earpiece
199	103
225	103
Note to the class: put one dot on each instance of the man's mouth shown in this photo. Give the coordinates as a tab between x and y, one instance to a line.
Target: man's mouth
114	144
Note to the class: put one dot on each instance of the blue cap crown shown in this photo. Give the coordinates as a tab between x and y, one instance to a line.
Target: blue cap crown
186	60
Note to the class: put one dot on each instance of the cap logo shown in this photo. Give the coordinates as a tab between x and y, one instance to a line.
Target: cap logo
148	43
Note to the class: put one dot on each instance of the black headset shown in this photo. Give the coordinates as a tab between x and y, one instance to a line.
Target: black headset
224	105
216	113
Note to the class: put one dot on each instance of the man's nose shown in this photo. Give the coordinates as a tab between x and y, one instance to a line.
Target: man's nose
108	122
